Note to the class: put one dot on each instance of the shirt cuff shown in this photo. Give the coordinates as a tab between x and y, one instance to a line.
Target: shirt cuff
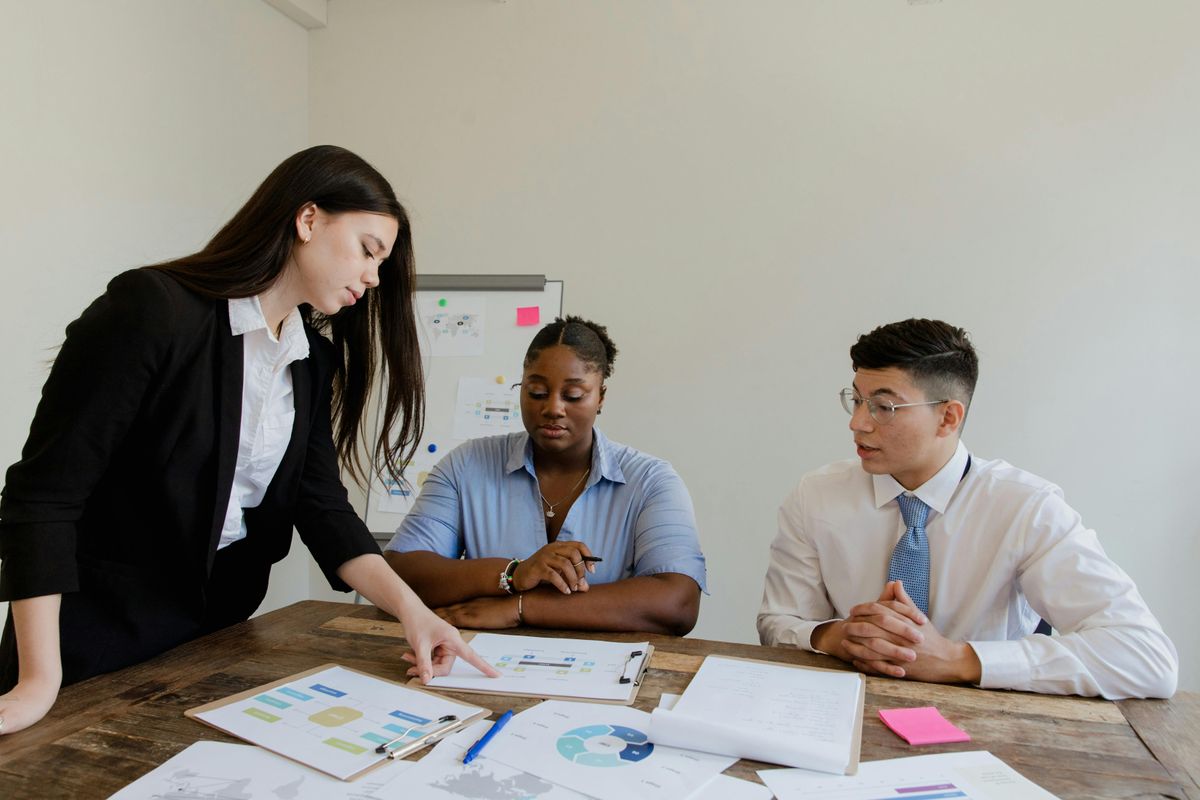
796	633
1004	665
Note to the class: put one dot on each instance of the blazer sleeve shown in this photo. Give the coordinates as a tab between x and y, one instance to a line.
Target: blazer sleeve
325	520
89	402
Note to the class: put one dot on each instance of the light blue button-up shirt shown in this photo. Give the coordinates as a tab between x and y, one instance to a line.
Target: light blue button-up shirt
482	501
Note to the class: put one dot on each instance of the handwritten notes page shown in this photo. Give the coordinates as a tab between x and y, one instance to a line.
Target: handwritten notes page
769	712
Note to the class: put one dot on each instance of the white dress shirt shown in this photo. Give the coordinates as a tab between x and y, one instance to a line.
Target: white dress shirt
268	406
1004	550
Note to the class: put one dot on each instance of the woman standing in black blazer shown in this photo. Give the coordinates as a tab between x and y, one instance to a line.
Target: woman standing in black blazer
194	415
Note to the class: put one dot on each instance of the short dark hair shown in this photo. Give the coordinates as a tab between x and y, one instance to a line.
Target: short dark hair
589	341
938	357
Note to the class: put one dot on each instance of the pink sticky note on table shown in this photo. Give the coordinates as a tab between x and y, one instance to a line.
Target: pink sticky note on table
924	725
529	315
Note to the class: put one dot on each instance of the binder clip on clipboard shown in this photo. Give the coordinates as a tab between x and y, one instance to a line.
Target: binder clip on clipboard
638	660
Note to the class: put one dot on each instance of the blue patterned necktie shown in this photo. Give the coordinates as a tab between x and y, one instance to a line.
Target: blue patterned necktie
910	559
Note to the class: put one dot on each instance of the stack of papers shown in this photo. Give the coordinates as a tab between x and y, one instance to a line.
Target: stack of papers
240	772
769	712
975	775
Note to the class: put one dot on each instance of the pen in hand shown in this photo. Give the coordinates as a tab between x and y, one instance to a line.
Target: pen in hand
474	749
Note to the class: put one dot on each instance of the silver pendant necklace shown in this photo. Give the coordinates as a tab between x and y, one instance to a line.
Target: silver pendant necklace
550	506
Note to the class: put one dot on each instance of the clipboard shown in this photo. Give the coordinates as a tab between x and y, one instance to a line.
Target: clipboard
629	681
331	732
859	702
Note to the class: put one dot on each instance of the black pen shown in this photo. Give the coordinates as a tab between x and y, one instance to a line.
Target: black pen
595	559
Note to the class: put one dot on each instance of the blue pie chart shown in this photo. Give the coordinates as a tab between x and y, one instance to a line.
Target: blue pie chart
604	746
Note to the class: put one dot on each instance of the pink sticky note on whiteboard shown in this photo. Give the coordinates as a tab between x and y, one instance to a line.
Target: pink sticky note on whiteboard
529	315
924	725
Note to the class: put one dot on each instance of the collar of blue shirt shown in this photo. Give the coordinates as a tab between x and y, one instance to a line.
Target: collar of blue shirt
604	464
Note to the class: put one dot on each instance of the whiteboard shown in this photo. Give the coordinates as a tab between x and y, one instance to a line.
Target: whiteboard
474	332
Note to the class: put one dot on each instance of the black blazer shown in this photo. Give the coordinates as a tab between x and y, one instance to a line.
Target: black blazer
119	497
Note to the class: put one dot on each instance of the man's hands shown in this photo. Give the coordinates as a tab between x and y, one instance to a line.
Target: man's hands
559	564
890	636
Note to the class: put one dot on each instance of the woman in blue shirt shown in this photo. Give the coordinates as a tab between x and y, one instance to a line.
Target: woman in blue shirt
560	527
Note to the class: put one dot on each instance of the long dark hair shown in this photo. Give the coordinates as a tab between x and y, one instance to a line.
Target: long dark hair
250	252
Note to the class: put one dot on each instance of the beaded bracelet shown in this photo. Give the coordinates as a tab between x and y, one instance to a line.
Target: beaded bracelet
506	575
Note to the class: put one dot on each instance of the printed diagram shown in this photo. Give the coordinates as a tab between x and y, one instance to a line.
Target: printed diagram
484	408
548	663
476	782
187	784
334	719
454	326
604	746
335	724
551	667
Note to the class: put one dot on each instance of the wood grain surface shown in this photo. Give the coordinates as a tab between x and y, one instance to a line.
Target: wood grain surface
108	731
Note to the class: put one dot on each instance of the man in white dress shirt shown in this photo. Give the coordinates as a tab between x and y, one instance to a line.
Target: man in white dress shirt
921	560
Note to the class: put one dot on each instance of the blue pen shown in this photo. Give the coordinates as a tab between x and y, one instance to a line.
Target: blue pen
474	749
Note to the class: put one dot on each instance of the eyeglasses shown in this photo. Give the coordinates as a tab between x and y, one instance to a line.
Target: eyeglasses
882	411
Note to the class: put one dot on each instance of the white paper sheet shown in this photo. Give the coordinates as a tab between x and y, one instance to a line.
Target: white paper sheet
533	665
768	712
452	325
441	775
396	498
601	750
973	775
486	408
220	771
726	787
332	720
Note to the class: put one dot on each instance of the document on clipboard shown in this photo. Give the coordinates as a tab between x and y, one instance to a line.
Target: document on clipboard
338	720
564	669
778	713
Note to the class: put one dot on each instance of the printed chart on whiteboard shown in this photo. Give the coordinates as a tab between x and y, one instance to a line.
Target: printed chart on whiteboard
474	331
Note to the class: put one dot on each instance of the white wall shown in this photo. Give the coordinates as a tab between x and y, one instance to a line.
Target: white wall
739	189
129	133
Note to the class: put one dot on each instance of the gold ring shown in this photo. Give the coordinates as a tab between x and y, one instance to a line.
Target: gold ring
577	563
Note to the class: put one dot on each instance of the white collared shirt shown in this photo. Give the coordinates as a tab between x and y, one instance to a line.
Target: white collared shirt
1004	550
268	406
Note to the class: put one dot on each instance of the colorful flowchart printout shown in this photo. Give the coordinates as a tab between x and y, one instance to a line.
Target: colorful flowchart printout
486	408
973	775
532	665
221	771
452	325
332	720
602	751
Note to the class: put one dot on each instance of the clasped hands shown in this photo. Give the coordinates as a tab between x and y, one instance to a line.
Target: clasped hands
891	636
558	564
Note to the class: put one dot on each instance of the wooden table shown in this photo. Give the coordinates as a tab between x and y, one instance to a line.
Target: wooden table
106	732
